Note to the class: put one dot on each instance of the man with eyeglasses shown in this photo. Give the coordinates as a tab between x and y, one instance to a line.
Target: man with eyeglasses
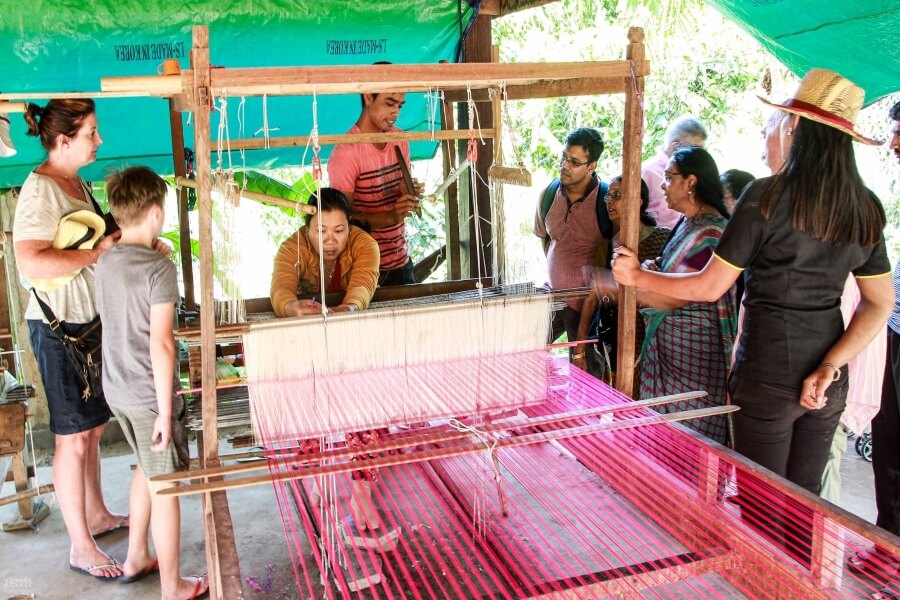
684	131
572	220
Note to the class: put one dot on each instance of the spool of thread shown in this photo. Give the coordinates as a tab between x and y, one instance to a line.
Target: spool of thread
169	66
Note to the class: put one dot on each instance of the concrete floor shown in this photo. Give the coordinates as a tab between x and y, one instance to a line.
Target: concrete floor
33	563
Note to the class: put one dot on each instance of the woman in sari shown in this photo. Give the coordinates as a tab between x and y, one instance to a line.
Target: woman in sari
688	344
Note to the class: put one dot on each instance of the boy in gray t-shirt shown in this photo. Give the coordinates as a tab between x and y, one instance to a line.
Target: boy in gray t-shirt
136	290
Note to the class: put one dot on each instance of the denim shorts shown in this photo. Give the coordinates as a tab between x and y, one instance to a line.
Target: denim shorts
69	413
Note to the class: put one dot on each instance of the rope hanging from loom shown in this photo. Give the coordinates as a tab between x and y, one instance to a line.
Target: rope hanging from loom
231	308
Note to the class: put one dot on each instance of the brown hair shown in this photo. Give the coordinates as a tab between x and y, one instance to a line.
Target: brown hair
59	117
132	191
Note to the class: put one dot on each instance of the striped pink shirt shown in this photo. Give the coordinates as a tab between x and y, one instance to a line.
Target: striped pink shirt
373	177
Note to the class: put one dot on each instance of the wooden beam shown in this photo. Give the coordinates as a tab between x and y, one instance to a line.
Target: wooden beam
498	247
221	551
590	86
184	226
477	56
357	79
357	138
630	230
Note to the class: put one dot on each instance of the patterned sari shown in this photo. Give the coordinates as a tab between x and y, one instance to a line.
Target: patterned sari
689	348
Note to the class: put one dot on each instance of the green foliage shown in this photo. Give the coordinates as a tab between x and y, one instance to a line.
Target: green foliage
695	69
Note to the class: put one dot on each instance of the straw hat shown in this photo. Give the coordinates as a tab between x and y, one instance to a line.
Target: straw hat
80	229
828	98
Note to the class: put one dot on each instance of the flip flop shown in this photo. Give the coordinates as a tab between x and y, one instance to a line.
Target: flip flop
89	571
201	581
121	524
148	570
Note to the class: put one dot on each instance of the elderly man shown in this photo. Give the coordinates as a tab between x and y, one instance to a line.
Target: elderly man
684	131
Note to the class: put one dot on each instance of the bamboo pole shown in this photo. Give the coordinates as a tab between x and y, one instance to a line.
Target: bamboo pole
12	107
257	197
39	491
442	435
446	452
357	138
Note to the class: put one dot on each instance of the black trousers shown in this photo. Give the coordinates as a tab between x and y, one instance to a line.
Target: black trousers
886	442
773	430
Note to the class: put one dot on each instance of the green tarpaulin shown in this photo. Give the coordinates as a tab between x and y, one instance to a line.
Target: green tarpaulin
856	38
58	45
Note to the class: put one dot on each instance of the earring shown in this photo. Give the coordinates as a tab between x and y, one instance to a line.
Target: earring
790	131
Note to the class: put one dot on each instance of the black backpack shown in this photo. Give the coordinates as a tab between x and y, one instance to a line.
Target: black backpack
603	222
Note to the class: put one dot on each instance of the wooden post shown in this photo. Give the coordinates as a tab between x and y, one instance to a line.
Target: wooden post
631	191
478	50
498	214
451	206
184	227
221	551
18	298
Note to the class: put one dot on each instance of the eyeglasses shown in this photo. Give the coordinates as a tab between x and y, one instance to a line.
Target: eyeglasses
575	164
613	196
668	175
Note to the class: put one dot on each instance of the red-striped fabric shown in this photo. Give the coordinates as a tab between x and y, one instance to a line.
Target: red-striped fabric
373	176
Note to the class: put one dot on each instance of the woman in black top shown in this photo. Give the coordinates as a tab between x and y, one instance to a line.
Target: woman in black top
797	235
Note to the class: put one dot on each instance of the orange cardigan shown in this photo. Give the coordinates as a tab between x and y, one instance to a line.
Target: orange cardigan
296	269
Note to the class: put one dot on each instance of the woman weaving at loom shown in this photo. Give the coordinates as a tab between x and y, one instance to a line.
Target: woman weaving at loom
349	254
798	234
350	258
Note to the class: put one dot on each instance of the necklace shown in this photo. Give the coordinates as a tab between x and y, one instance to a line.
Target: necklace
330	272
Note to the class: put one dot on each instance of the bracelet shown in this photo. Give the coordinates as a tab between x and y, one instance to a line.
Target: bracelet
579	355
837	372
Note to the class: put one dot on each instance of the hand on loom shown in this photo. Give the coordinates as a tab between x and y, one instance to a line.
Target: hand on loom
343	308
625	267
604	285
300	308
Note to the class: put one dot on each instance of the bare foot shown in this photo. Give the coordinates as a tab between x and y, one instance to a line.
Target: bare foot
361	505
189	588
107	524
97	564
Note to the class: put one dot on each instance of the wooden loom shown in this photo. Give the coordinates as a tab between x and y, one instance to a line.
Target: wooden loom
714	546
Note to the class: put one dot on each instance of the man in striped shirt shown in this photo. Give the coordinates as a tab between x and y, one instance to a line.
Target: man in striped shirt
369	175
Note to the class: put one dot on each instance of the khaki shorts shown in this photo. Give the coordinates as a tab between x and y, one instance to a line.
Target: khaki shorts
137	425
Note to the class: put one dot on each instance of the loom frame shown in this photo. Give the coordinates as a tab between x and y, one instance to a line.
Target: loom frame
198	86
193	91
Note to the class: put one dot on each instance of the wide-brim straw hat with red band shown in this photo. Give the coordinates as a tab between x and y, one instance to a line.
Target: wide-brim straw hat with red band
828	98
